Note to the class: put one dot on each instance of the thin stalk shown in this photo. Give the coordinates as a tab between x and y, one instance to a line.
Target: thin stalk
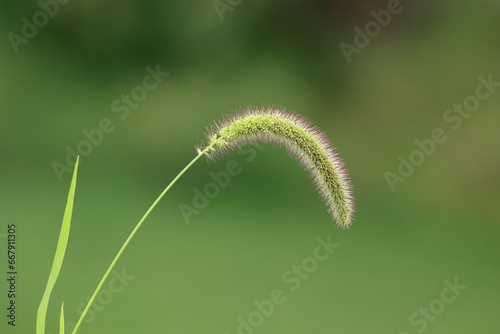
132	234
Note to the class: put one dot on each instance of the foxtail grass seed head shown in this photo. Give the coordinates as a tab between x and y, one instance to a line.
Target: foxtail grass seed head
302	140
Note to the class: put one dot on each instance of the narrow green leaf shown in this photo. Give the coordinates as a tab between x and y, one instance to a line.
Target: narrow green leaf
59	256
61	320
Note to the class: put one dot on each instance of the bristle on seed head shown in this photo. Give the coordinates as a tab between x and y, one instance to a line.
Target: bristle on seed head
301	139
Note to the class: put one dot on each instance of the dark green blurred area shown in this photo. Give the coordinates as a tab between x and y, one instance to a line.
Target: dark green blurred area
442	223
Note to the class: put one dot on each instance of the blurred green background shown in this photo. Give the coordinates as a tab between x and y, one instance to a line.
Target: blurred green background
390	271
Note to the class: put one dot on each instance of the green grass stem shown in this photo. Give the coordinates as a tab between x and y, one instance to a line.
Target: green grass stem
132	234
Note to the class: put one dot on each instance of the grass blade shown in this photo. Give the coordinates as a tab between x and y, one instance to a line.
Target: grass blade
61	320
59	256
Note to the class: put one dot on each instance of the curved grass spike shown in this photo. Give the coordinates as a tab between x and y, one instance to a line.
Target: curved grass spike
267	125
302	140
